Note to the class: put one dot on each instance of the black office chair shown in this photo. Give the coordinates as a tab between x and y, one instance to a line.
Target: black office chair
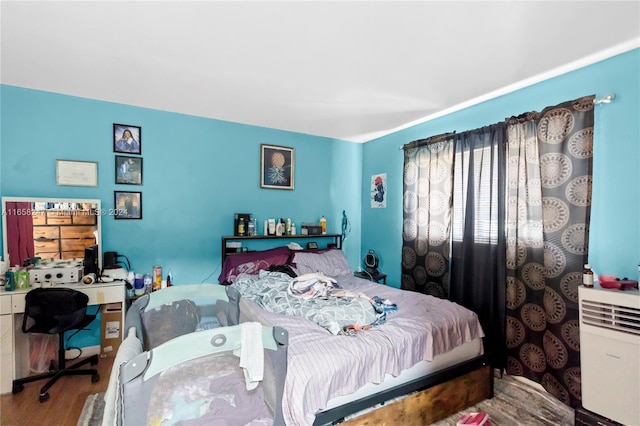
54	311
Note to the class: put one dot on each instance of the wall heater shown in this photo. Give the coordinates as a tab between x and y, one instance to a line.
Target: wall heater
610	353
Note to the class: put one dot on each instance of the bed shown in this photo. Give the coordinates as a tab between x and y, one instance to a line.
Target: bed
426	350
184	362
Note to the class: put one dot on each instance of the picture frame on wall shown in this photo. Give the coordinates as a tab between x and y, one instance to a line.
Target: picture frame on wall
76	173
127	139
128	170
128	205
276	167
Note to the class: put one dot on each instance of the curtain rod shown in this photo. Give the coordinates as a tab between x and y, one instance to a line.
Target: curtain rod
606	99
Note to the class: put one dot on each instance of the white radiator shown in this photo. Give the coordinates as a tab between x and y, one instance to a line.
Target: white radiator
610	353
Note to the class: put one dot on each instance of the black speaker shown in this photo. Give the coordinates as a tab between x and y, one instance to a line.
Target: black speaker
91	260
110	259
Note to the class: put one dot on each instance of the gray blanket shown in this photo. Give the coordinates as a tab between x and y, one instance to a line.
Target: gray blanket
337	310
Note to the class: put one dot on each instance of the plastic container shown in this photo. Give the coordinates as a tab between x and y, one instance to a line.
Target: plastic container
10	281
323	225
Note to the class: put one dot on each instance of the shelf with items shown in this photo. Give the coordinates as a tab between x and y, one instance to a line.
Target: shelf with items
337	240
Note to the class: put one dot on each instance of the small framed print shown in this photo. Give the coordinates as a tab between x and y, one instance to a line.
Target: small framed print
127	139
276	167
76	173
128	205
128	170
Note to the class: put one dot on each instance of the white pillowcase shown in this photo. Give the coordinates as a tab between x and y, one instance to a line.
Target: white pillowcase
331	263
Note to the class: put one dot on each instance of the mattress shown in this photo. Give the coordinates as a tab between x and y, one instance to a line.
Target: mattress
424	335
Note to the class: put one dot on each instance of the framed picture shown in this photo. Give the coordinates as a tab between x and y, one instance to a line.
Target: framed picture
128	205
128	170
76	173
127	139
378	191
276	167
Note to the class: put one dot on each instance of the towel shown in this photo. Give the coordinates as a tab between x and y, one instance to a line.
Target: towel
251	353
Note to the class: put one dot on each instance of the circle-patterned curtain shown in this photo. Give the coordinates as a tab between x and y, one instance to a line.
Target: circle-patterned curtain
427	216
549	168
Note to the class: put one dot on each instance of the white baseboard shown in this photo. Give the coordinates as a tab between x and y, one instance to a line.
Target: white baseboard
87	351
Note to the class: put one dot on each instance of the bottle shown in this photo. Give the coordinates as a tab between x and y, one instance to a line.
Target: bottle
10	283
287	227
265	230
323	225
293	230
252	228
169	278
241	227
587	276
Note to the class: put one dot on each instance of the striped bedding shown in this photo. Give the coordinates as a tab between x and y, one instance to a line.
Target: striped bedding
322	366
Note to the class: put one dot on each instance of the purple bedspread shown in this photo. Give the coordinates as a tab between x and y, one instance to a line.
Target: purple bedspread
322	366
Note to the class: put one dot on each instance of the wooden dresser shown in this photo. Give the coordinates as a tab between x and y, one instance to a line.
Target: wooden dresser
63	234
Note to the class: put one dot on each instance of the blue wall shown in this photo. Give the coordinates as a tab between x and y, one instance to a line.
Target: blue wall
614	245
197	173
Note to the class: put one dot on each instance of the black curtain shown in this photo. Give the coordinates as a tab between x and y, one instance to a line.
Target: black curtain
478	266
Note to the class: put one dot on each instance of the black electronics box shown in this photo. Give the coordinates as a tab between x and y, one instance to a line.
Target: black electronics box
585	417
311	229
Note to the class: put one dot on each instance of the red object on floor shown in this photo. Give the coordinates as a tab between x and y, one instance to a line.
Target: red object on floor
474	419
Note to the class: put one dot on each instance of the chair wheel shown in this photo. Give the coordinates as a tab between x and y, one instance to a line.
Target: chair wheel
44	397
17	388
95	378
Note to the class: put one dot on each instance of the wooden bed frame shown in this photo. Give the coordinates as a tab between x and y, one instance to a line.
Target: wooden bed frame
428	399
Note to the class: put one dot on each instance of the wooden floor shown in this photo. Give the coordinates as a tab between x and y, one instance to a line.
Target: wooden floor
64	406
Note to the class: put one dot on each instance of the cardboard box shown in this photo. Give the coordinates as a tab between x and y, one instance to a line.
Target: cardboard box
111	329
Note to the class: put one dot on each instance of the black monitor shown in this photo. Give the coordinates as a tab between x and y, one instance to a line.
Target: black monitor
91	255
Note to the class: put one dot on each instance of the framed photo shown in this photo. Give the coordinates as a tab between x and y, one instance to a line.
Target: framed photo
378	191
127	139
128	170
128	205
276	167
76	173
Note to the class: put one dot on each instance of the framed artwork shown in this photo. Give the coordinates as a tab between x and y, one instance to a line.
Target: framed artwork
128	170
127	139
379	191
276	167
128	205
76	173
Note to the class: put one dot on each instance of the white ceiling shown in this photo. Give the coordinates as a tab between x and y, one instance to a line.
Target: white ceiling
346	70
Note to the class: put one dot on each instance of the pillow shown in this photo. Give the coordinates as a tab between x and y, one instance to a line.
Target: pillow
252	262
332	263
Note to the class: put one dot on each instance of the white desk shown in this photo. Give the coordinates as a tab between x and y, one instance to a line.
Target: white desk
13	355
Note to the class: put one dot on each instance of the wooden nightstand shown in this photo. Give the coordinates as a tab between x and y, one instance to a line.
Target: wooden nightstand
377	278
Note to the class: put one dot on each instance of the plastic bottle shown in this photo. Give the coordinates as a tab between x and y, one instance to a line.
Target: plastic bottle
169	278
587	276
323	225
287	227
252	228
241	227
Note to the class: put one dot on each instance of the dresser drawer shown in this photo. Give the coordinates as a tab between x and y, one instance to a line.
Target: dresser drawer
46	246
51	232
5	304
79	231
